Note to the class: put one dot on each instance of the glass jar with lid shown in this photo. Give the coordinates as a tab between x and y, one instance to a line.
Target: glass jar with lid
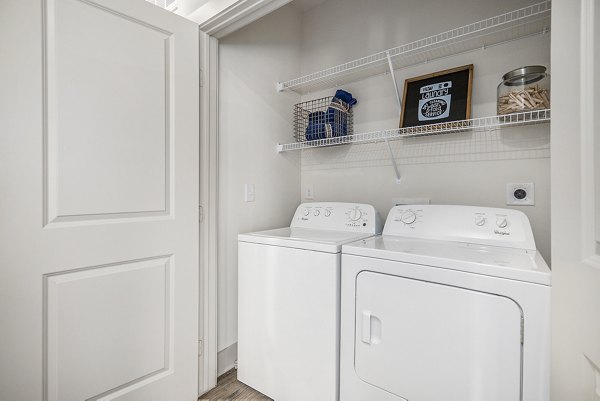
524	89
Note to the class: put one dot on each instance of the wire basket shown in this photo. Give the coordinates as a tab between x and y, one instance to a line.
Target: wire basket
327	117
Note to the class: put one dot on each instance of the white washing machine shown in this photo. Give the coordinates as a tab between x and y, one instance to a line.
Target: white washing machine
450	303
288	301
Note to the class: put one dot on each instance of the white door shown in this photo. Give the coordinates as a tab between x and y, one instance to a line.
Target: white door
575	200
421	340
98	201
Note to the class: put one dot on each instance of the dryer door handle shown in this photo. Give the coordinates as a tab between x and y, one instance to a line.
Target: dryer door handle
366	327
371	328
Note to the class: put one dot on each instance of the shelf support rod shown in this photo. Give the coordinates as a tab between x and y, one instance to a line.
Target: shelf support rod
391	66
387	142
393	160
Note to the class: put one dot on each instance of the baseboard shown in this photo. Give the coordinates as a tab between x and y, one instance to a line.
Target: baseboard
226	359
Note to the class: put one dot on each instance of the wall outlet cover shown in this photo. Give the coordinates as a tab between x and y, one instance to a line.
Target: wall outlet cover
520	194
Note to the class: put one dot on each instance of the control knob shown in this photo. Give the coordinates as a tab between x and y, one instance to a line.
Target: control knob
480	220
408	217
327	212
501	222
354	214
317	212
306	212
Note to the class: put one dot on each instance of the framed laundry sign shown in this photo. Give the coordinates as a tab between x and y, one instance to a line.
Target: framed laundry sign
437	98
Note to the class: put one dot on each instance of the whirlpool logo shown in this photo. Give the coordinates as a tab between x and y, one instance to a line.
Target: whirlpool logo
435	101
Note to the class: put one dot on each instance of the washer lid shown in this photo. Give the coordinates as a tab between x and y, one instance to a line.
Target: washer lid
509	263
304	238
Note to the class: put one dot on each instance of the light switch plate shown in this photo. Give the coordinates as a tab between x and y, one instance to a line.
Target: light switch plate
520	194
249	192
310	192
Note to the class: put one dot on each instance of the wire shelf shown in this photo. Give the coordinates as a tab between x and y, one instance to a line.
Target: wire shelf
475	124
517	24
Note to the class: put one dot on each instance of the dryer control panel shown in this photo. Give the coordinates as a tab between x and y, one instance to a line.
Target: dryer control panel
338	216
470	224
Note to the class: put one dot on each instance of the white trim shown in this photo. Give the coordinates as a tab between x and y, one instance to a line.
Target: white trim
208	202
589	203
236	16
227	359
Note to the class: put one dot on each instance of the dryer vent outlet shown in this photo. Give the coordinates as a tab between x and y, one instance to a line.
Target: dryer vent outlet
410	201
520	194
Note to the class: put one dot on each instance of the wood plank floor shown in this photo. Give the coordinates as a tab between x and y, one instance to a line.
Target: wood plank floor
229	388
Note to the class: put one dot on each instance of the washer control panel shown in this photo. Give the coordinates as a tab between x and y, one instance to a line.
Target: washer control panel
477	225
498	221
337	216
357	216
408	216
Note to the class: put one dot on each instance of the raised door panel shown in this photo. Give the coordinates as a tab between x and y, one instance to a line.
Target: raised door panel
108	82
107	327
429	342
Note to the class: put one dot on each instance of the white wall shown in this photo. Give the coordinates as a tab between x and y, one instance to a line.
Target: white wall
453	169
253	118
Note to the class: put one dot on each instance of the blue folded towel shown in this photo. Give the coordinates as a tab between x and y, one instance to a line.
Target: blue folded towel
317	127
345	97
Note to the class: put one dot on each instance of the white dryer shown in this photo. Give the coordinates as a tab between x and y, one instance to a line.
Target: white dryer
450	303
288	301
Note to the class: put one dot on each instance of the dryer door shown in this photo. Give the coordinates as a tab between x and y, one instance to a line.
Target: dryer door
428	342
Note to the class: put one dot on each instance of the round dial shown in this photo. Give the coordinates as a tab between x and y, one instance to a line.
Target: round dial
501	222
354	214
327	212
479	220
317	212
306	212
408	217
